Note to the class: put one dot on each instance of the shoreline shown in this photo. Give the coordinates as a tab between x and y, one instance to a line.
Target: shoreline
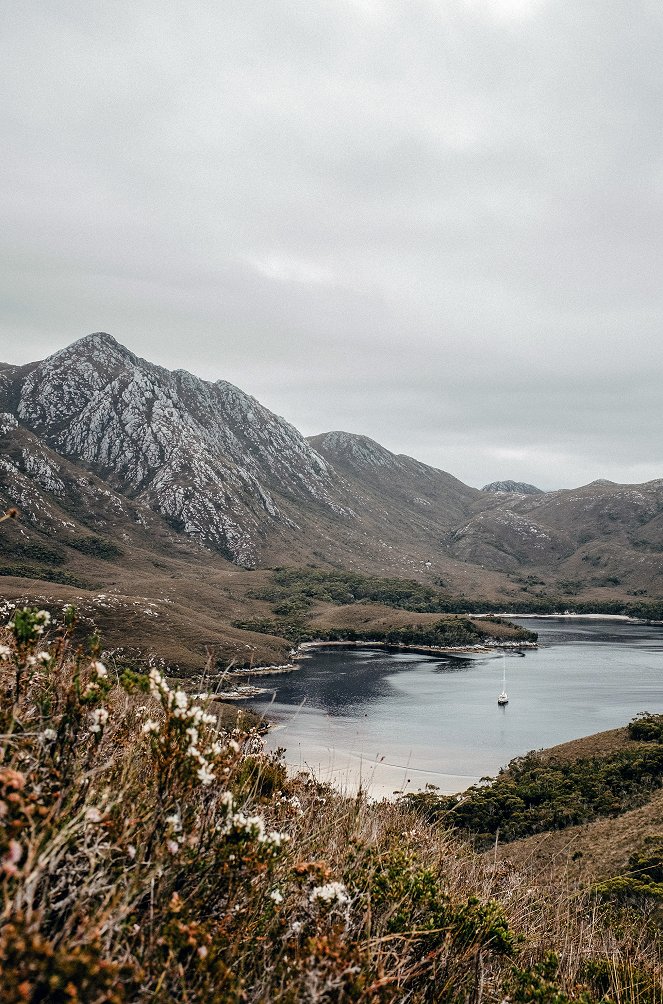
457	651
569	615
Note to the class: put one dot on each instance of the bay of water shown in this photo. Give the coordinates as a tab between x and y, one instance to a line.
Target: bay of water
395	721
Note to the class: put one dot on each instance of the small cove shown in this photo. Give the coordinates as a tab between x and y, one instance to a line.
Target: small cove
395	721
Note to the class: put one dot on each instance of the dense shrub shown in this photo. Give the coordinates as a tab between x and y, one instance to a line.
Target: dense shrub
533	794
646	728
643	879
95	547
47	574
33	550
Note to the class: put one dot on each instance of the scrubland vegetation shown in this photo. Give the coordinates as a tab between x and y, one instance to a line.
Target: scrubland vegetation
452	632
294	590
296	593
534	794
148	855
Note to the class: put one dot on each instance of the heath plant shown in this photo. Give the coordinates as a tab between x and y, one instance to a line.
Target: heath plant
147	854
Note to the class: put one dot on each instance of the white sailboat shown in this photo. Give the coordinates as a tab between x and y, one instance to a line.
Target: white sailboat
503	698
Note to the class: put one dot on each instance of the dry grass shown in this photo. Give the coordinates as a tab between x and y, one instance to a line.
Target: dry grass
600	744
376	616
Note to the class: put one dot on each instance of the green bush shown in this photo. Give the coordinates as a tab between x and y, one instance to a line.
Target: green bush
533	795
47	574
646	728
95	547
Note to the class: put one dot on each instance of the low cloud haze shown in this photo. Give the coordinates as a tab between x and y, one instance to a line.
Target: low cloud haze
439	224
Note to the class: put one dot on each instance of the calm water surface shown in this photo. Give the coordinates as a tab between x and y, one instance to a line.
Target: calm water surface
396	721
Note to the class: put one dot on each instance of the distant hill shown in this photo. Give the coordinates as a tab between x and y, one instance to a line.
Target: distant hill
511	487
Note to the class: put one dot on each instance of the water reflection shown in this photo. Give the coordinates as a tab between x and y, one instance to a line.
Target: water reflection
341	681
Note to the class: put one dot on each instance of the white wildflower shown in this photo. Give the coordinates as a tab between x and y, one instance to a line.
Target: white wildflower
202	951
255	825
175	822
99	717
192	732
49	735
158	686
275	838
296	926
31	660
276	896
100	670
149	726
331	893
5	652
234	745
43	657
43	619
172	846
131	851
205	775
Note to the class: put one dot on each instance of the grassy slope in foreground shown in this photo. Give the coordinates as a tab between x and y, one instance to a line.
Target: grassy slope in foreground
147	855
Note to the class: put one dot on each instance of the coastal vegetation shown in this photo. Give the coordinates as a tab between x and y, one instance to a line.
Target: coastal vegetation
293	590
536	793
297	595
442	632
147	853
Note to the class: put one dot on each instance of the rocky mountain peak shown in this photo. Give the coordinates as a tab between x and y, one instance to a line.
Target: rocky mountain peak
354	449
207	456
511	487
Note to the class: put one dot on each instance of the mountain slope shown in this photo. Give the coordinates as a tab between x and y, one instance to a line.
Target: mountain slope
207	457
419	488
94	440
220	468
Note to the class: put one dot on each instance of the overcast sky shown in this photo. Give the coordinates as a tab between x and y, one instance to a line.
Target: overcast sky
435	222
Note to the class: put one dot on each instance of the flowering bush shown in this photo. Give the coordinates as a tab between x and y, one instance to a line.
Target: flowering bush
147	854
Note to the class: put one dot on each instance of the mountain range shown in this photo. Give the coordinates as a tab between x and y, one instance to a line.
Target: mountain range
104	452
